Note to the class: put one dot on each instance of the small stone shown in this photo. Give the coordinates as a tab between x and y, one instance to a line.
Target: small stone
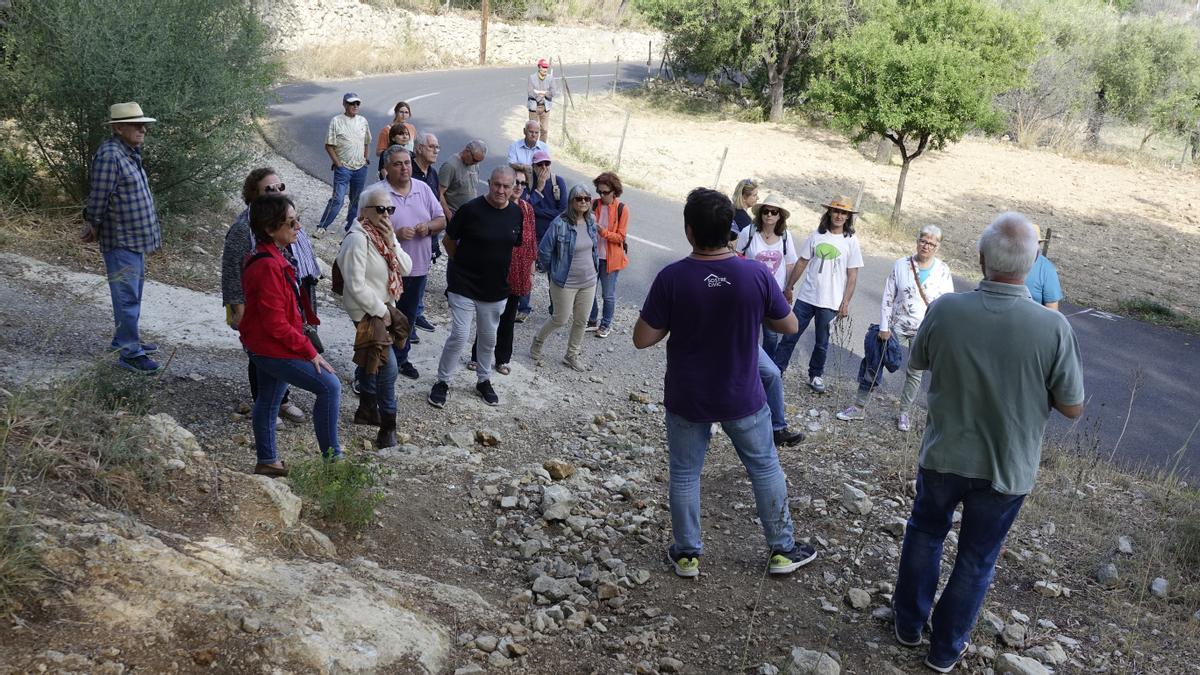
242	408
858	598
1048	589
1051	654
809	662
557	502
487	437
459	439
608	591
470	669
990	623
1011	664
670	665
529	548
251	624
855	500
1107	574
767	669
498	660
174	464
509	502
1196	616
1159	587
1013	635
1019	615
882	614
1124	545
895	526
638	397
558	469
487	643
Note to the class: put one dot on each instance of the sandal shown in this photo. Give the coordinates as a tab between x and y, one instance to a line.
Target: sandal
472	365
503	369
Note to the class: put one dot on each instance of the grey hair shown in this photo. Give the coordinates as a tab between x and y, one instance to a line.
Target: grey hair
576	190
477	147
423	139
392	149
534	122
931	230
503	170
1009	246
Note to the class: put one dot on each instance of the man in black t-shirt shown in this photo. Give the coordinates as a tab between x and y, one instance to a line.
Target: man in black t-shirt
479	240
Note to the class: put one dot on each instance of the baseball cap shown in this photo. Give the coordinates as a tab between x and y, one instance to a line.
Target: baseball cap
540	156
543	63
351	97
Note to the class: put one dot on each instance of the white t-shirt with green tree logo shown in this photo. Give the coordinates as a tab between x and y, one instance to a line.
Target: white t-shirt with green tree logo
830	257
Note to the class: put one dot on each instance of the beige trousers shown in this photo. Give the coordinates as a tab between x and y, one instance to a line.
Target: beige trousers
579	300
542	117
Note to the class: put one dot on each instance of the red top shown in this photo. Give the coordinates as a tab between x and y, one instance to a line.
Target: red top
272	325
520	269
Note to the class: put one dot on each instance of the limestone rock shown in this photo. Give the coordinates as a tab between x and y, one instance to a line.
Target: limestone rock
559	469
557	502
809	662
858	598
1124	545
1011	664
1051	654
670	665
286	505
1048	589
1107	574
459	439
171	439
855	500
1013	635
487	437
1159	587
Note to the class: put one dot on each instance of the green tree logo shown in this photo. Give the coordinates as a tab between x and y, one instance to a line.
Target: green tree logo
826	251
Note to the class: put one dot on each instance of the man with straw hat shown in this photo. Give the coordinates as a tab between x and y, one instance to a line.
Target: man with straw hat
120	216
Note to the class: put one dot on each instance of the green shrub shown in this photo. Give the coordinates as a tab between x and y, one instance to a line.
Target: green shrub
343	491
17	176
201	67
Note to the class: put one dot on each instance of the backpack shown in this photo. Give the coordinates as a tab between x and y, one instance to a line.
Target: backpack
751	239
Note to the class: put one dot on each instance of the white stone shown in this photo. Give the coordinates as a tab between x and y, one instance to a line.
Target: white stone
809	662
855	500
1159	587
1012	664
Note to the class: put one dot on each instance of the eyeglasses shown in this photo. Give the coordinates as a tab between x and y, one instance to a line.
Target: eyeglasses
275	187
294	223
769	212
927	243
383	209
605	192
582	200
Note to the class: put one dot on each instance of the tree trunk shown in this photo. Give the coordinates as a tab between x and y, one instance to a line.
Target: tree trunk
895	219
775	88
883	151
1096	120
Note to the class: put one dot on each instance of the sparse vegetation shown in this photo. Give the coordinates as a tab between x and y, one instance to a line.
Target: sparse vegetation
19	566
345	492
1156	312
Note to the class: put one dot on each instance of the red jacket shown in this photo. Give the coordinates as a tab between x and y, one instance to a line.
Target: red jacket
272	325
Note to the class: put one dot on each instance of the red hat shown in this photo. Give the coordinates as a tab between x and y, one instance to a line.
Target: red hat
543	63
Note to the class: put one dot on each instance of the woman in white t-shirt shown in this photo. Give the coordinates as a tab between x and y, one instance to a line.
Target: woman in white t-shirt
827	272
769	242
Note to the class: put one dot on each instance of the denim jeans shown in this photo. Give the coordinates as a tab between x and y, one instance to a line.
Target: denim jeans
274	375
787	343
383	384
126	271
608	289
770	342
463	311
253	373
523	304
912	380
504	333
987	516
409	306
772	382
687	443
344	180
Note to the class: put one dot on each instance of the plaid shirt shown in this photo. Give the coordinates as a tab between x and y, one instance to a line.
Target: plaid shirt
120	206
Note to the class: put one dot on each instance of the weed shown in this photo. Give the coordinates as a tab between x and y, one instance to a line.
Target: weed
343	491
340	60
20	567
1158	313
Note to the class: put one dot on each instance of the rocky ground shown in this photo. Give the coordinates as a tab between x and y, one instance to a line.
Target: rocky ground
524	538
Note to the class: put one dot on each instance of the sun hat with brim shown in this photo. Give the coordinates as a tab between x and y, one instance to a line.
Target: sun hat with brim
772	201
1038	230
127	113
842	203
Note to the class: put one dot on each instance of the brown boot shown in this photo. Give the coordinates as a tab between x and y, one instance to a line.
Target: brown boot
368	412
387	431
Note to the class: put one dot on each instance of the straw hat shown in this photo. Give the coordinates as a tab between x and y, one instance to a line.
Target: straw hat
842	203
771	200
124	113
1038	230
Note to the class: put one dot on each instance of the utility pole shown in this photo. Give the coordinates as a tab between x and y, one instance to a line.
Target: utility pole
483	20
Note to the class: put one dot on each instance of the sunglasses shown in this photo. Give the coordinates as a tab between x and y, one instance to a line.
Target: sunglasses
353	102
582	200
383	209
542	164
275	187
605	192
294	223
769	212
522	183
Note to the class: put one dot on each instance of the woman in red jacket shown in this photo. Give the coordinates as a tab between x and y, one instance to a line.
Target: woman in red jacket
612	221
272	332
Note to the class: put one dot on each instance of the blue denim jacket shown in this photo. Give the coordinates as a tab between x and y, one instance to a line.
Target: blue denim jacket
558	247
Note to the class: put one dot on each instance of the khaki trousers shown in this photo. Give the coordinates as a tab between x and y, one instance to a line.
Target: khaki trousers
579	300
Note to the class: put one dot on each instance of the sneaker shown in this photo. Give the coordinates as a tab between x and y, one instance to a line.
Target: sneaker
423	324
903	423
486	393
817	384
786	436
787	562
535	350
849	414
437	395
318	233
355	386
291	413
602	332
414	338
904	639
142	365
591	326
408	370
949	666
574	363
686	566
149	347
521	317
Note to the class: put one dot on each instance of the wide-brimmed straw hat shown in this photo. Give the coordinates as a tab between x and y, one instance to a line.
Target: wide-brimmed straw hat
771	200
127	113
1038	230
842	203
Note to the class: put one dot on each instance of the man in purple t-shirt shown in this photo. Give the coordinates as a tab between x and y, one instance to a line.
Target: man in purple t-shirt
418	218
713	305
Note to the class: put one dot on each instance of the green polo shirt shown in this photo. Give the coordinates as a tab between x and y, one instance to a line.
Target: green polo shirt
997	361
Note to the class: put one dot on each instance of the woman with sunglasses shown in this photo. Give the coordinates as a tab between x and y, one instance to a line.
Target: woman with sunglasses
770	243
612	222
569	251
829	262
272	332
745	196
373	265
400	115
239	243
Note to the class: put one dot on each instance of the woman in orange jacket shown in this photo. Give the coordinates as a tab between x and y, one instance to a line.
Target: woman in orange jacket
612	222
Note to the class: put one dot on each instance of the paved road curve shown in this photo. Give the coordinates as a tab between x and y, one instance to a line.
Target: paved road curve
459	105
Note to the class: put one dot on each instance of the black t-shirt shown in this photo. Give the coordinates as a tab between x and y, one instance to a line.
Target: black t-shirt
486	237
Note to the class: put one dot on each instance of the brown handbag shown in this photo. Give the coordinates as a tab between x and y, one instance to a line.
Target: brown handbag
917	278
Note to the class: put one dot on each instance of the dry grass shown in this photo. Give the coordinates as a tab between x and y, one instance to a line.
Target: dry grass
352	59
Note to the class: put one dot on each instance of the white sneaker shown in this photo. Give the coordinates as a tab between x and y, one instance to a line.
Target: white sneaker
817	384
903	423
318	233
291	413
852	413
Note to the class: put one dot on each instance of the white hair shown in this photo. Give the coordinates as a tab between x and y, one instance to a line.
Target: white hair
533	123
1009	246
504	171
424	139
931	230
477	147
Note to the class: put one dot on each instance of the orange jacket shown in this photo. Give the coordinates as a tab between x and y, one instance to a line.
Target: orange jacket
613	233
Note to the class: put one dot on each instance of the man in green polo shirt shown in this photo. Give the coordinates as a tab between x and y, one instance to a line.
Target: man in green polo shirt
998	363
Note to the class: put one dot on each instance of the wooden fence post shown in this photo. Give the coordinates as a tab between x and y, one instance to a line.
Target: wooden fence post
483	22
616	75
566	85
588	93
621	147
721	167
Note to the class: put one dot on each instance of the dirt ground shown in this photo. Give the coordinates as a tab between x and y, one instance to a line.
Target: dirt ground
1120	232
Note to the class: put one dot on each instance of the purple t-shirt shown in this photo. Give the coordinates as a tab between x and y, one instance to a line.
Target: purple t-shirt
714	310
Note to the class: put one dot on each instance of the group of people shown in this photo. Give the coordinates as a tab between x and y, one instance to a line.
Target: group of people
726	311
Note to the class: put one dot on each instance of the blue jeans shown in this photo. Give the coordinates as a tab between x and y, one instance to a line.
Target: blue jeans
409	305
608	288
770	342
787	343
987	516
344	180
274	376
687	443
126	276
383	384
772	381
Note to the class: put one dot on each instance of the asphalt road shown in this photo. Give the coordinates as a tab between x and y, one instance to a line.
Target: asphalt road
1161	366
